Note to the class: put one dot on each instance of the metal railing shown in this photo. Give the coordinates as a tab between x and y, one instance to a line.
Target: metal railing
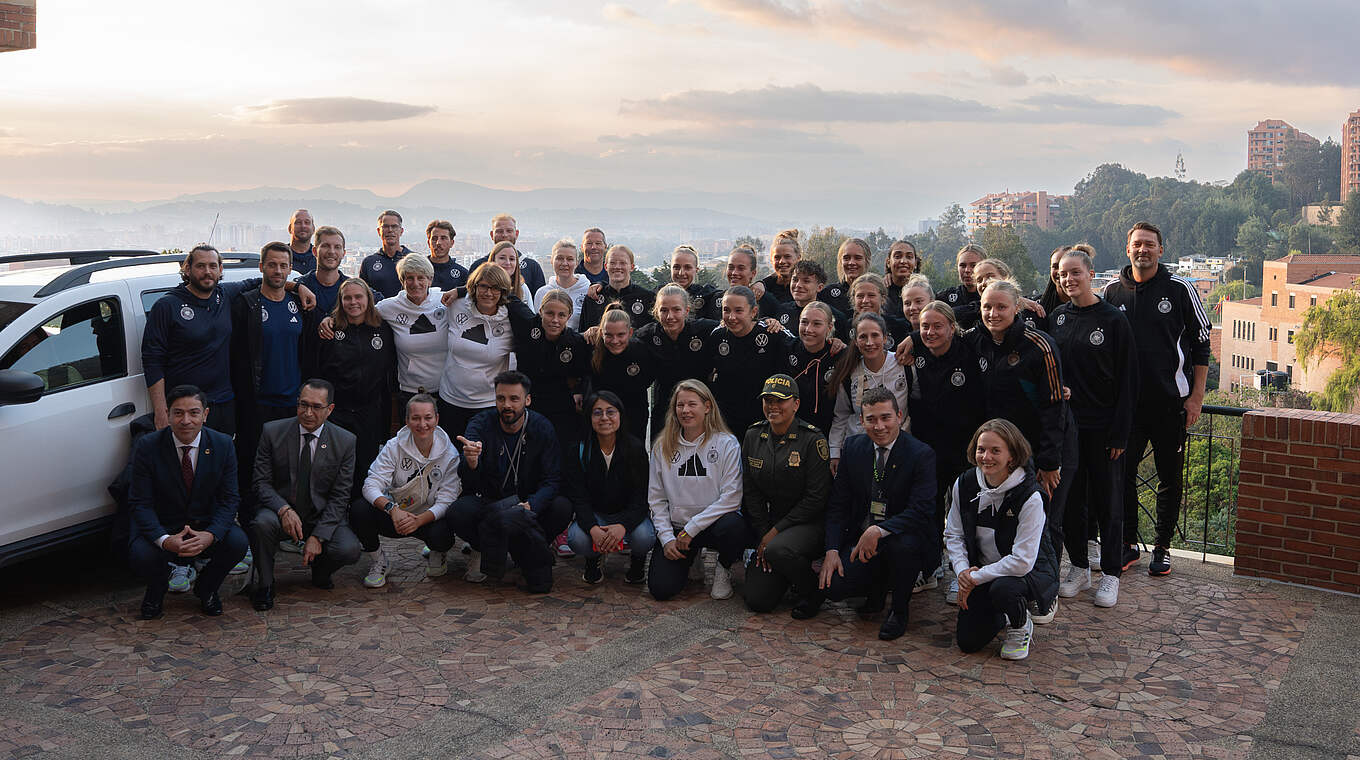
1209	480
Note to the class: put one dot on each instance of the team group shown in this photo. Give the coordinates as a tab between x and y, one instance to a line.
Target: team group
861	437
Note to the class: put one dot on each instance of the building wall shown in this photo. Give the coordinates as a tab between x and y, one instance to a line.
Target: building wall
1266	143
1012	209
18	25
1350	155
1298	499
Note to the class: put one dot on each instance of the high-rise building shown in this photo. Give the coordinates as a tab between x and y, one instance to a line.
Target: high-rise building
18	25
1014	209
1350	155
1266	146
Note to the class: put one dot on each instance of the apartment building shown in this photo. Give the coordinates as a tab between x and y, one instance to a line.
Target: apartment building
1266	145
1014	209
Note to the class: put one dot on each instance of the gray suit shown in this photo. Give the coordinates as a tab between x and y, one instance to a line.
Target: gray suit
275	486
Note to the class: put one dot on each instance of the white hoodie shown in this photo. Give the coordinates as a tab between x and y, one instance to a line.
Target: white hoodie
1028	534
577	292
846	421
420	357
479	347
399	460
701	483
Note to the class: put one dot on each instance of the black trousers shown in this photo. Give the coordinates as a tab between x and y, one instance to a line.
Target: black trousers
991	607
250	419
901	557
1164	427
455	419
152	563
496	527
368	522
369	426
266	531
222	417
1098	492
790	555
729	535
1055	506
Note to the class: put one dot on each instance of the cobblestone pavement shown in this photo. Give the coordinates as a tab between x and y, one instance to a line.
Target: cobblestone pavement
1186	666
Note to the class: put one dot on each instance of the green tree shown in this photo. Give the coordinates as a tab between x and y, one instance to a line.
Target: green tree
950	236
1330	183
821	246
1333	330
1252	244
753	241
1302	172
1348	225
1003	242
1234	290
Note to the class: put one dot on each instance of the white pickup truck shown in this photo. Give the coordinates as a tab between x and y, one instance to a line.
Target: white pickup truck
71	382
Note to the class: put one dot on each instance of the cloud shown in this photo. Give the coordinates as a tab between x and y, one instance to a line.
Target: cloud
747	139
1311	41
329	111
1008	76
810	103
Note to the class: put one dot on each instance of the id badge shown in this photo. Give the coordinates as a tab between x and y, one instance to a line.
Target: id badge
878	510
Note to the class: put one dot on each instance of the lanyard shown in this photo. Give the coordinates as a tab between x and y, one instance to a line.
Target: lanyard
512	469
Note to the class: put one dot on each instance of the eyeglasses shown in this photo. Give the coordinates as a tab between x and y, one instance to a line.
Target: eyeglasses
312	407
607	412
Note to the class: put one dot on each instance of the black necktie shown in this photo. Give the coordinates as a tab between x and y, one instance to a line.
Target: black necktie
880	462
304	478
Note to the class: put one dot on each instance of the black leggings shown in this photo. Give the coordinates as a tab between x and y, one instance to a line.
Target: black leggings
991	607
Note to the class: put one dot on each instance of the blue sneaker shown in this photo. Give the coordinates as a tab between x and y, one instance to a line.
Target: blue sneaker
243	566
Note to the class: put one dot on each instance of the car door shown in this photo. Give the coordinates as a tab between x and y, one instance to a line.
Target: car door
64	450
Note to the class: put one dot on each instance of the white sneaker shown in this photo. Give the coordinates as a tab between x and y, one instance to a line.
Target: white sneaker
377	570
182	577
951	594
722	583
1040	616
474	572
1093	555
1016	645
1107	593
1078	580
925	582
436	564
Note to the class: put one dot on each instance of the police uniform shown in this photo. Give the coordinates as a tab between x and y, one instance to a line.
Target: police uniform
786	480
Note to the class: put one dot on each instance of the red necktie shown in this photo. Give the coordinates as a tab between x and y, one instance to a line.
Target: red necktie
186	470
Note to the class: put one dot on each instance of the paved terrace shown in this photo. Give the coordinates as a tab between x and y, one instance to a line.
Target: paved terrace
1196	665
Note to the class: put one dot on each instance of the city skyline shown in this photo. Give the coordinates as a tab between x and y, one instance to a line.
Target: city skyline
861	104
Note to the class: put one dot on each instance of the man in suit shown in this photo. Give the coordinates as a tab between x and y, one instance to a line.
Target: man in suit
303	472
182	503
880	521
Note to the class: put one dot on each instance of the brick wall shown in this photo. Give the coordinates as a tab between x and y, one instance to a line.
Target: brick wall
1298	501
18	25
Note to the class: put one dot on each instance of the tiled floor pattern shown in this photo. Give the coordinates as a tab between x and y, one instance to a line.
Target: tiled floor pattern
1183	667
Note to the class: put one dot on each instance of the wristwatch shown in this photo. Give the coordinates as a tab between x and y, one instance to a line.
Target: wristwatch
391	505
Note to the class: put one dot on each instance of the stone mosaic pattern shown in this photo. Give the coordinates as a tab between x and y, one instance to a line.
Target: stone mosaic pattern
1183	667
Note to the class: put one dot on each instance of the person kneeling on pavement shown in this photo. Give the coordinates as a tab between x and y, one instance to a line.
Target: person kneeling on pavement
182	503
784	489
605	477
303	471
998	543
883	506
408	490
511	468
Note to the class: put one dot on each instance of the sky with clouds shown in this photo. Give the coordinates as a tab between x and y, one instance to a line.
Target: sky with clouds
933	101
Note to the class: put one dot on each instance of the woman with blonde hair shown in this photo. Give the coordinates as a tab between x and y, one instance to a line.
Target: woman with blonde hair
675	342
694	493
506	256
785	251
619	263
915	295
620	363
852	260
812	366
705	300
479	337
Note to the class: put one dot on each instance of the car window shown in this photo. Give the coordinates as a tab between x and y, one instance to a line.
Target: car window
10	311
150	297
82	345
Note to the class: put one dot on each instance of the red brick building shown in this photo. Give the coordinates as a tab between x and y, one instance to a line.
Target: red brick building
1350	155
18	25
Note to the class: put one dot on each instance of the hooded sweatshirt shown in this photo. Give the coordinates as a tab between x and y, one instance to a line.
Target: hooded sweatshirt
698	484
846	419
577	292
399	461
479	347
995	516
418	330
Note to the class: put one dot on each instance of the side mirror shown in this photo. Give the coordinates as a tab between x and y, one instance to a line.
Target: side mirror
19	387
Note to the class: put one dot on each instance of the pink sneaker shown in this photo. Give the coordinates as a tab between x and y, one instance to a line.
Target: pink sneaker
563	548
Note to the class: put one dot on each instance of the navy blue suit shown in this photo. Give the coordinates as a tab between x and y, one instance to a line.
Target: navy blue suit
160	505
908	488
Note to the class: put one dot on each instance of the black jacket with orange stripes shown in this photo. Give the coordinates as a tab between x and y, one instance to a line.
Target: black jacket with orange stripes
1022	382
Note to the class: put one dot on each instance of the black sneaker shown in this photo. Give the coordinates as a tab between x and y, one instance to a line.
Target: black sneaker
637	570
593	573
1130	557
1161	562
